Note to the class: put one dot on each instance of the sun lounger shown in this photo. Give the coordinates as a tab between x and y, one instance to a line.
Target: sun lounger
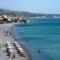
20	52
16	45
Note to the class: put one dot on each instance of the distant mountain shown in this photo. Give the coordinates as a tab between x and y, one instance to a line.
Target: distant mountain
17	13
26	14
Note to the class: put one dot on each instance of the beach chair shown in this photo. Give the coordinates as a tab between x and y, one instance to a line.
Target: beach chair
9	51
21	52
16	45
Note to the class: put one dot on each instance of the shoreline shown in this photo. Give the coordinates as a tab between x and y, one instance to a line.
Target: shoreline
25	50
4	39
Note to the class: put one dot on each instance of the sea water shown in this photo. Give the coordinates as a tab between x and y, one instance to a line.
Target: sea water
41	38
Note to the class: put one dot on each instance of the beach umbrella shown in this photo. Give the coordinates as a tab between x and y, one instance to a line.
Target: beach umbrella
7	42
11	50
9	47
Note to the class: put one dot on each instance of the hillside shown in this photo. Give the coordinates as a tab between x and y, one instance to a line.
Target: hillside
26	14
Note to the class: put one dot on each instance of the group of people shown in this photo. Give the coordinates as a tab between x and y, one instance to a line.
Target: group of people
11	47
7	32
19	49
9	50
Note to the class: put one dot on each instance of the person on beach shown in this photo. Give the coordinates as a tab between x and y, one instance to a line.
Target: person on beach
9	54
13	56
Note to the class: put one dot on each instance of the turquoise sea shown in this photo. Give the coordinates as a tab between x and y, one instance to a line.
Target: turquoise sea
40	34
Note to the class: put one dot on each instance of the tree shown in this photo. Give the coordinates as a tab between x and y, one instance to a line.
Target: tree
23	20
5	20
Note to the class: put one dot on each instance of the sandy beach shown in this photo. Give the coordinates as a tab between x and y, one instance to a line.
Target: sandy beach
4	39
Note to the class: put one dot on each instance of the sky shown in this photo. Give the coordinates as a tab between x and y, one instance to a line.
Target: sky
35	6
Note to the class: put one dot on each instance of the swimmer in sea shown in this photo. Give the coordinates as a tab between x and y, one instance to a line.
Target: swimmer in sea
39	51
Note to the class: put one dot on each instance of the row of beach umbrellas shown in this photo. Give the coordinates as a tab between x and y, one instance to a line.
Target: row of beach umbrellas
17	46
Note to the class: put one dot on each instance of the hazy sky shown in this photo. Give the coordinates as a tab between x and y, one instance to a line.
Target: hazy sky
40	6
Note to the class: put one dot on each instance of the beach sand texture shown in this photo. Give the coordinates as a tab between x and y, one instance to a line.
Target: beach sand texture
3	40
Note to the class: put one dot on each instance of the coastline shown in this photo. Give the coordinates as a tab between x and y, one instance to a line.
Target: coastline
4	39
29	57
